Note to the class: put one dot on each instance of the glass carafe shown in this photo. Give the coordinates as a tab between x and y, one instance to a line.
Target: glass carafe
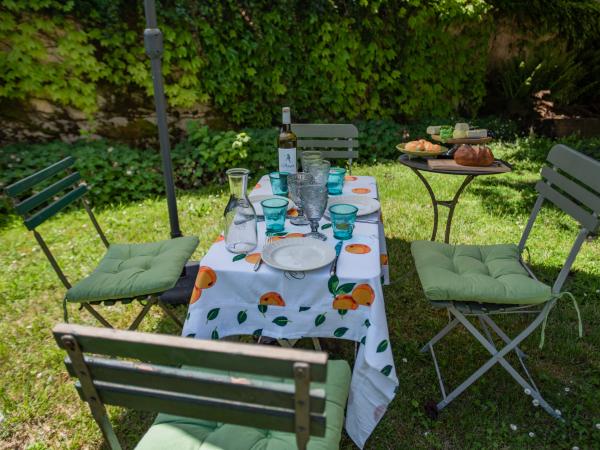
240	218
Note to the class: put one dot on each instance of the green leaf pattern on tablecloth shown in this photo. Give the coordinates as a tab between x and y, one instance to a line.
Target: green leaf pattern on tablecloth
342	312
242	316
383	345
387	370
191	335
257	333
319	319
339	332
345	288
325	226
214	334
263	309
238	257
333	283
363	340
212	314
303	308
367	323
282	321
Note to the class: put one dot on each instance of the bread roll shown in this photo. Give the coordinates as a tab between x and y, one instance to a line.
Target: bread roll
476	155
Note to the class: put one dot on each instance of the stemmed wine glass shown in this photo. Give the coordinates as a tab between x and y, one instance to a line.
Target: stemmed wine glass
295	182
314	200
319	169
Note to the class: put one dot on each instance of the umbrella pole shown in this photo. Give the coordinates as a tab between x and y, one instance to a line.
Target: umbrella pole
153	43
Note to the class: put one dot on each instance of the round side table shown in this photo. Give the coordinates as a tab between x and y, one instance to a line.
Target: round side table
418	165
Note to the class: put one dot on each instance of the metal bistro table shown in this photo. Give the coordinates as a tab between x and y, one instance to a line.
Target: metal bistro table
419	165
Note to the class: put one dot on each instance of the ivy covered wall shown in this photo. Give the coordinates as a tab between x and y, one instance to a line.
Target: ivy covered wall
328	59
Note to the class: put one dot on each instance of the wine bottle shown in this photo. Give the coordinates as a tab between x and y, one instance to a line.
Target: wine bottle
286	143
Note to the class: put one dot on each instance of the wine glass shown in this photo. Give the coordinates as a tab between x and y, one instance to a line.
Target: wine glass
319	170
295	182
314	200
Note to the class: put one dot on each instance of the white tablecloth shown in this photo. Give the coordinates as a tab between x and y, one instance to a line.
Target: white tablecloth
231	299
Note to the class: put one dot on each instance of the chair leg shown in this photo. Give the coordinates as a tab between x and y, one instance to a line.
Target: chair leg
97	315
170	313
142	314
494	326
440	335
498	357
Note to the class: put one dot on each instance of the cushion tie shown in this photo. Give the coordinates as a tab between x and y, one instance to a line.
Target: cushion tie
575	305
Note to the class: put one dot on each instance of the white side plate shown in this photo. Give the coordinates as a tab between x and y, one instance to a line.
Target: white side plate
298	254
256	199
364	204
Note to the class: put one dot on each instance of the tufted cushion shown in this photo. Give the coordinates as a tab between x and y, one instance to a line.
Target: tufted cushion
130	270
476	273
183	433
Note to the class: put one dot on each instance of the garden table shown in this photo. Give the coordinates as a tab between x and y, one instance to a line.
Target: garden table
232	299
418	165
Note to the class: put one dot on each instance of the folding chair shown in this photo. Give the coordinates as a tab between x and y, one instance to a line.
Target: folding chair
226	395
127	272
327	137
481	281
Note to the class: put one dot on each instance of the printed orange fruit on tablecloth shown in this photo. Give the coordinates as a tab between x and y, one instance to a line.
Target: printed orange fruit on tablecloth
206	278
363	294
220	238
350	178
294	235
252	258
196	293
358	249
293	212
344	301
383	258
258	186
361	190
271	298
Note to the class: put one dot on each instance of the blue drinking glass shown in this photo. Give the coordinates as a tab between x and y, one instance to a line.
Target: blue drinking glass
275	210
335	181
343	217
279	184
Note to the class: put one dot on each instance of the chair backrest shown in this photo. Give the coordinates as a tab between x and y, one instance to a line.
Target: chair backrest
36	200
327	137
156	381
571	181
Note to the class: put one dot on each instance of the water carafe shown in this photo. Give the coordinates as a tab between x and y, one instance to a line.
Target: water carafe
240	218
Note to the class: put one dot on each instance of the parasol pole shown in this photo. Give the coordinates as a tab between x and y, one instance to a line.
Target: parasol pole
153	43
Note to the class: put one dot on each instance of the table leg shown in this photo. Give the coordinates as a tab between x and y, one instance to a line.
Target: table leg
434	202
452	205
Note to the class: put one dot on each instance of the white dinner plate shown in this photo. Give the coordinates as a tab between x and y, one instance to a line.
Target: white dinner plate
256	199
364	204
298	254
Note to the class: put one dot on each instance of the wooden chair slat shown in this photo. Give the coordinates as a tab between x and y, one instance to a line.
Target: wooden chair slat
588	198
567	206
325	130
176	351
52	209
26	183
191	382
36	200
339	154
577	165
327	143
155	400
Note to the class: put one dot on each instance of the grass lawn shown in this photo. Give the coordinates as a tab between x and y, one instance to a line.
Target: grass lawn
40	409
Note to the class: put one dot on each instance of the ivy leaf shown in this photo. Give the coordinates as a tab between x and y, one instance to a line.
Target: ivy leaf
345	288
339	332
319	319
325	226
187	317
263	309
363	341
303	308
366	323
241	317
282	321
238	257
191	335
342	312
212	314
382	346
214	334
386	370
257	333
332	284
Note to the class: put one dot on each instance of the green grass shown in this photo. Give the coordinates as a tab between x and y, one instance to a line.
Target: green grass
41	409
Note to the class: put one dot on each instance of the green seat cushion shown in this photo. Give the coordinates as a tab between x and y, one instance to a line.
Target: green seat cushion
181	433
131	270
476	273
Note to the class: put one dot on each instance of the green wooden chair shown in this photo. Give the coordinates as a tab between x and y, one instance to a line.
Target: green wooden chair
484	280
210	394
127	272
326	137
